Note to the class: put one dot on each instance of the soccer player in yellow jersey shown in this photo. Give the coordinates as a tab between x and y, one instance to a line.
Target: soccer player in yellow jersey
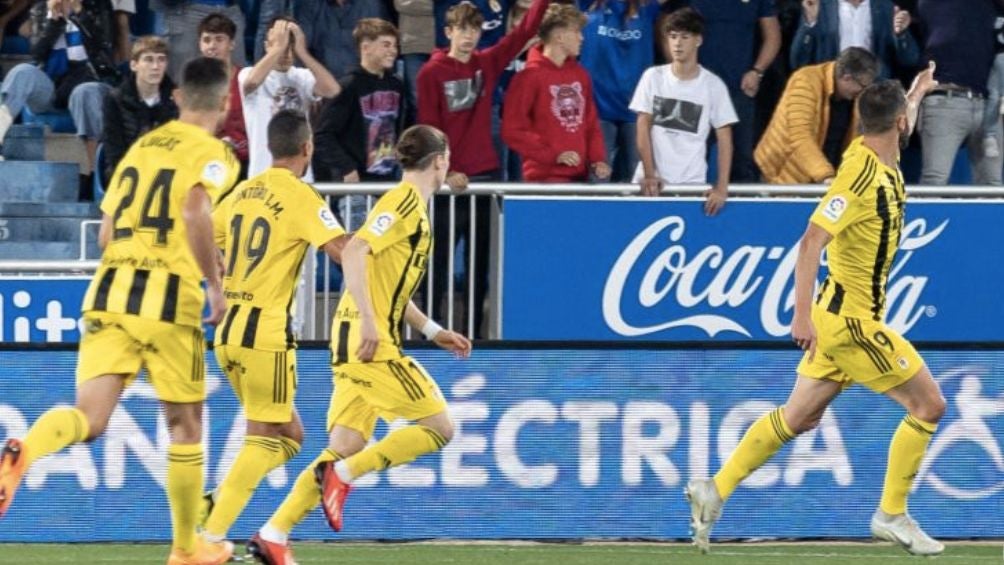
383	264
266	225
842	331
143	307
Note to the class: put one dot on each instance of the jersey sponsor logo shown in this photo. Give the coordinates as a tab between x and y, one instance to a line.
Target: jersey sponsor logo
674	114
682	277
834	209
568	105
215	172
327	218
382	223
619	34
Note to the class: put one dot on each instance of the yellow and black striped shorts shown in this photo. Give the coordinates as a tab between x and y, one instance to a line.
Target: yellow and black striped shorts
122	344
400	388
264	381
853	350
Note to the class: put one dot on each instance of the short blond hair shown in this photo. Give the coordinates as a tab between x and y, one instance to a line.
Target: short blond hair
148	44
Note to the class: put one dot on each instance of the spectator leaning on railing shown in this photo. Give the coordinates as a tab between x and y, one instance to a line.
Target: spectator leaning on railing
677	105
730	51
827	27
217	39
550	115
141	103
815	120
274	84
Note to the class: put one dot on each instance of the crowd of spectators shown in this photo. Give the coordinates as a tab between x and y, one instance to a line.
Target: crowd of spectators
654	92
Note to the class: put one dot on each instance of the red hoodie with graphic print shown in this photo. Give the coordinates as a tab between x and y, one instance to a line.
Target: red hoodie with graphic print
550	110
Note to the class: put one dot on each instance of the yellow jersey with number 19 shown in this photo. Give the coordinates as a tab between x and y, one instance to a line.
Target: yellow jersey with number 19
147	268
265	225
399	235
863	210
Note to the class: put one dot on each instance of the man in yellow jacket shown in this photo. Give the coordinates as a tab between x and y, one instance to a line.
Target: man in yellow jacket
815	120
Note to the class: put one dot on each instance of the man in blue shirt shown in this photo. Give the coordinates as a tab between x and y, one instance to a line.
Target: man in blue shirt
728	51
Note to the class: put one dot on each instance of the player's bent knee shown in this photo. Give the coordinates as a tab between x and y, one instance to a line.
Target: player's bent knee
443	427
801	423
932	409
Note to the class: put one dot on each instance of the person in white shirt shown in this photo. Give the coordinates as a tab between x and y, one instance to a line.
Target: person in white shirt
677	105
274	84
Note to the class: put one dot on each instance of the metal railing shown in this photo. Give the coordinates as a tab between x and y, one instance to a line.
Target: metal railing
315	306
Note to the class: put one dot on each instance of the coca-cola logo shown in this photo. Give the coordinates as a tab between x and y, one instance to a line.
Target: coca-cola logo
714	283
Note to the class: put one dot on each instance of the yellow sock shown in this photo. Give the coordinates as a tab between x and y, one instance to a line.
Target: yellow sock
906	450
288	448
396	448
304	496
760	442
184	491
55	430
257	457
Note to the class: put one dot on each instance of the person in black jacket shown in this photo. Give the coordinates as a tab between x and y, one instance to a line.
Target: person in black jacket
141	103
360	127
74	67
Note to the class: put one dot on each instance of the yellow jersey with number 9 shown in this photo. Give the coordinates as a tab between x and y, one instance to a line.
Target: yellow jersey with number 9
147	268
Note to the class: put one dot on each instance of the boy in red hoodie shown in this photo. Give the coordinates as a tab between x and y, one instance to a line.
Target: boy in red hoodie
455	95
550	116
455	88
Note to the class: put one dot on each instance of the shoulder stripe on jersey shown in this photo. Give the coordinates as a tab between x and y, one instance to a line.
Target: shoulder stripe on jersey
136	291
872	350
411	208
104	286
866	176
405	202
837	300
169	311
342	355
251	328
878	271
228	323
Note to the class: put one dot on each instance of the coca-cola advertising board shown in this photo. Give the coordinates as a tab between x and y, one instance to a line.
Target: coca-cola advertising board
660	269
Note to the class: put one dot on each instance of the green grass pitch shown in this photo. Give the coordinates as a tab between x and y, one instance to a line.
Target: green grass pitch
532	554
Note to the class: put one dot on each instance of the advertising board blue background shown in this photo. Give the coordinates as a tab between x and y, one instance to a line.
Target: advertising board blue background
549	444
653	269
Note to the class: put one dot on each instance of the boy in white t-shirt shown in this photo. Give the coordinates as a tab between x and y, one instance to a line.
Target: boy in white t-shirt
274	84
677	105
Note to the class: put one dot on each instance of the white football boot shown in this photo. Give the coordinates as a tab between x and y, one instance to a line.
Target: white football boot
902	529
705	509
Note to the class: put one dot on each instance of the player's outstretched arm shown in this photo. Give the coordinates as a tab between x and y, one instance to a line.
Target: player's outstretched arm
923	83
447	339
354	267
810	248
196	213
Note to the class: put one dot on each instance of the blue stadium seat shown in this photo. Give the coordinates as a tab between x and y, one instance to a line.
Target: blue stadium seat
59	121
